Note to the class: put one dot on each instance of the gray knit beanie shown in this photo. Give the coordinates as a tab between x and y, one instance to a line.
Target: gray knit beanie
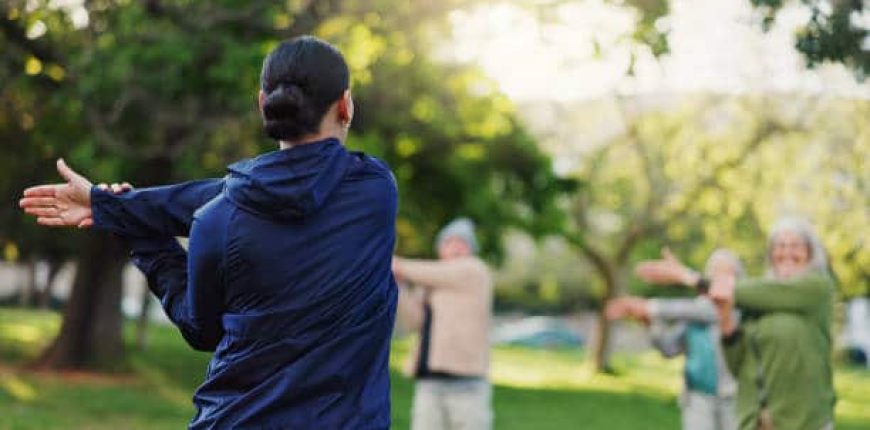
462	228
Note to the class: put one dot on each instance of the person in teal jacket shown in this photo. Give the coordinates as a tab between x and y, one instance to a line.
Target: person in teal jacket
780	351
690	326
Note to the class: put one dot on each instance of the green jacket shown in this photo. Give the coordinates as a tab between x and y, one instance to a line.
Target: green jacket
791	321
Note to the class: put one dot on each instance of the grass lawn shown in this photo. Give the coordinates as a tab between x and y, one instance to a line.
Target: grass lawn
537	390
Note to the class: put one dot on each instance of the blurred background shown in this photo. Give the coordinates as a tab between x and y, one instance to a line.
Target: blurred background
581	136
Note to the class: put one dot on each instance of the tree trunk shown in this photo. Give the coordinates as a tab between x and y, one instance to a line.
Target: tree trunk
90	335
607	274
613	287
601	347
45	296
28	288
144	318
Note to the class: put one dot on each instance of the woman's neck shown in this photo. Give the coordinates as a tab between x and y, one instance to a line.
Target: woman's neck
284	144
311	138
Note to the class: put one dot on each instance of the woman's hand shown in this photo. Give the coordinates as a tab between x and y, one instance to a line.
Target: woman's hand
68	204
61	205
397	270
722	288
668	270
722	294
627	307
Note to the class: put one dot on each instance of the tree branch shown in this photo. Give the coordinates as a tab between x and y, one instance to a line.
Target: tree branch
598	259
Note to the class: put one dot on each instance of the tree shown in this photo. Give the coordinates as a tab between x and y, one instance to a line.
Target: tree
160	91
663	179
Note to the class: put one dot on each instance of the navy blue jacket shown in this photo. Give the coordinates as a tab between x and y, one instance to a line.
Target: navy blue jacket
287	279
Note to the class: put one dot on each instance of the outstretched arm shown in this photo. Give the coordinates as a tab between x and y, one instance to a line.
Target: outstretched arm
800	294
437	274
668	338
679	309
193	298
667	271
159	211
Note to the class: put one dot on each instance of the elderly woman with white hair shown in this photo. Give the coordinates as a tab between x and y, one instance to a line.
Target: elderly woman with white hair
781	350
690	326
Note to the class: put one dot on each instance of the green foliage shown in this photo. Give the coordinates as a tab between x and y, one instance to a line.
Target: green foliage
454	144
649	29
714	173
160	91
832	33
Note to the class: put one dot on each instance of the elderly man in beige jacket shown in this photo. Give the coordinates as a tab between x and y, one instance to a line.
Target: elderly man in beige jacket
449	301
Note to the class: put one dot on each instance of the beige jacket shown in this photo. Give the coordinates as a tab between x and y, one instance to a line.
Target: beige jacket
460	293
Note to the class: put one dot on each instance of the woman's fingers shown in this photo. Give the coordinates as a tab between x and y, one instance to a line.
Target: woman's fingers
658	272
614	310
617	308
86	223
648	269
47	190
42	211
51	221
31	202
722	288
67	173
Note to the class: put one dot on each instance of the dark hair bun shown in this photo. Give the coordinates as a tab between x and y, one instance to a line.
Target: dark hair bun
288	112
301	78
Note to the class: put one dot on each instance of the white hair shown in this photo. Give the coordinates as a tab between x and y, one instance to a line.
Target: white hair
803	228
727	256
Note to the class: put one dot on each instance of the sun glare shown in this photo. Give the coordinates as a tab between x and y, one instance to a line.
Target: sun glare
583	50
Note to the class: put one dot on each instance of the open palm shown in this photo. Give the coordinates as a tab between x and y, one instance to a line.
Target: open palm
61	205
667	270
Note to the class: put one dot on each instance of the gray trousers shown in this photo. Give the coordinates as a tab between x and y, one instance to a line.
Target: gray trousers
447	404
705	412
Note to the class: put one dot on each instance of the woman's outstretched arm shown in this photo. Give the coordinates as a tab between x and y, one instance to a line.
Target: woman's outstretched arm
799	294
158	211
188	285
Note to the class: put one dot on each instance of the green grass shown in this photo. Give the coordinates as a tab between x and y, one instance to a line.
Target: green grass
534	389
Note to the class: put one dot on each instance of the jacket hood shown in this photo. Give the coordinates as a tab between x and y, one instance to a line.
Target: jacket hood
290	183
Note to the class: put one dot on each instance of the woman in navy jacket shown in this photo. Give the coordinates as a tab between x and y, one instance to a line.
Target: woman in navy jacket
287	277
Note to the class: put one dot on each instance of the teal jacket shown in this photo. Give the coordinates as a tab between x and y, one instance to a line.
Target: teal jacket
790	322
691	327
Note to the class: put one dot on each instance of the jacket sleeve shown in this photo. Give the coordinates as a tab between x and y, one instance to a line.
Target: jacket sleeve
691	310
801	294
668	339
188	285
438	274
157	211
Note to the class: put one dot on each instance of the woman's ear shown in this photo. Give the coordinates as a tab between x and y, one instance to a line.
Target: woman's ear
345	108
261	100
